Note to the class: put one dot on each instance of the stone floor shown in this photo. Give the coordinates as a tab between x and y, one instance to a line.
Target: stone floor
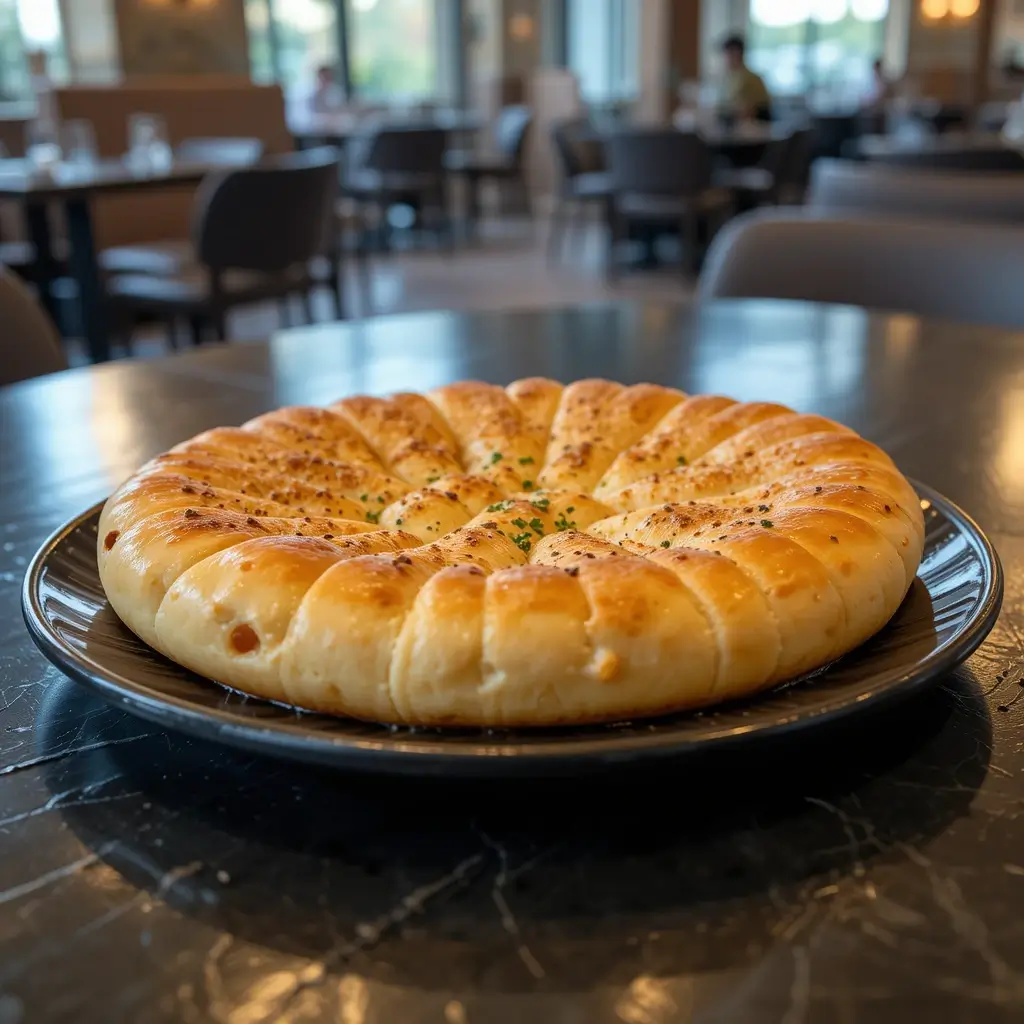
506	268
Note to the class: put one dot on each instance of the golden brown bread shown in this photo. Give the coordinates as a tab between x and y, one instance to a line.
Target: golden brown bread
529	555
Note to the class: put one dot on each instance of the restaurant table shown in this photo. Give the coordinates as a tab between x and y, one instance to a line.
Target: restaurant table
879	147
871	871
336	128
74	187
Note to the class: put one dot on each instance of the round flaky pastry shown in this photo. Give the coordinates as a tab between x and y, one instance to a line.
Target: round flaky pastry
529	555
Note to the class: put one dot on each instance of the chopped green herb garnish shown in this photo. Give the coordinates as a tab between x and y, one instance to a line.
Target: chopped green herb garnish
767	524
526	460
523	542
527	485
496	457
521	523
380	498
561	524
364	497
681	459
432	479
373	517
398	522
666	544
763	508
537	526
541	503
500	506
569	511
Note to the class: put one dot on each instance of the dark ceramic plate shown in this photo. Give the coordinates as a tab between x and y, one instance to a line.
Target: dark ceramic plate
948	613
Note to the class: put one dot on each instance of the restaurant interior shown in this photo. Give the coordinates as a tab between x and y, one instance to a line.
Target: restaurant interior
528	618
488	153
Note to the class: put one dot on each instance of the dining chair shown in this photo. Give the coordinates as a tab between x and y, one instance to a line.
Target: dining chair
256	233
401	163
663	176
780	178
29	343
501	164
585	181
948	270
173	256
847	188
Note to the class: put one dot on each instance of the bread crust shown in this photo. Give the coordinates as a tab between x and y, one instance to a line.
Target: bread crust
533	555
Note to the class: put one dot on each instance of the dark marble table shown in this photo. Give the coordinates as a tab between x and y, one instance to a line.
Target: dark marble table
871	873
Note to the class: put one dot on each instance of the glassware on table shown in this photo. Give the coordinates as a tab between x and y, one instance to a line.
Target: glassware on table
42	146
148	148
79	143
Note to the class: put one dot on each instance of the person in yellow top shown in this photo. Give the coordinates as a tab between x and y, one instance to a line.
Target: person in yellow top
744	94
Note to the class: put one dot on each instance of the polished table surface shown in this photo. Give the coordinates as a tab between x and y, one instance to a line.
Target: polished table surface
874	872
19	180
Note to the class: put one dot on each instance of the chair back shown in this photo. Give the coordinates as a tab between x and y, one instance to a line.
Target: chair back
268	218
846	188
965	272
406	149
212	150
954	158
658	162
29	343
578	148
510	131
793	167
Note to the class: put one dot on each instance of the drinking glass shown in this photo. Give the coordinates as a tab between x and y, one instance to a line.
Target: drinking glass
148	149
42	145
79	143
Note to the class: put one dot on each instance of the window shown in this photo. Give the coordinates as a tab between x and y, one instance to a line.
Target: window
822	48
393	46
290	39
29	26
604	42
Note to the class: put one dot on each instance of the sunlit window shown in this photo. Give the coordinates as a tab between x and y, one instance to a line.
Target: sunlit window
393	48
823	48
29	26
603	38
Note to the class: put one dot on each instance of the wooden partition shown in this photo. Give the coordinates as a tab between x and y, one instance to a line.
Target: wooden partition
192	106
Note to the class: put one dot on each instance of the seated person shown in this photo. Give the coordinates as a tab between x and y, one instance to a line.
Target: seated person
744	94
327	96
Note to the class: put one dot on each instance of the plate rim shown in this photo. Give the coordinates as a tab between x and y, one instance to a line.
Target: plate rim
502	756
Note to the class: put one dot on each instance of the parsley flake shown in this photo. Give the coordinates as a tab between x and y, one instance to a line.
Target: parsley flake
681	459
398	522
373	517
763	508
526	460
527	485
500	506
496	457
666	544
562	524
537	526
767	524
523	542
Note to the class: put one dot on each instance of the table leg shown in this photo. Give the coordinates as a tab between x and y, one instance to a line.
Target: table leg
38	223
86	272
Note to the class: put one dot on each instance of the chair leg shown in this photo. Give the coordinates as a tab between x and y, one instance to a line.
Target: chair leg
614	235
218	322
197	325
337	282
558	229
691	236
171	323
